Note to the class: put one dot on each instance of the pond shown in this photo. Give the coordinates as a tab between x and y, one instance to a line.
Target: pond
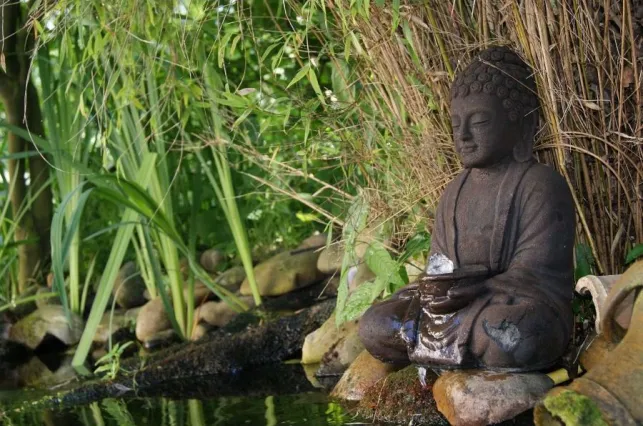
262	400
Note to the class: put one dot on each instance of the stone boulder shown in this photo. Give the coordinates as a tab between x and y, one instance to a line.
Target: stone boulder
232	278
48	320
330	259
151	320
285	272
219	313
478	397
360	376
211	259
401	399
328	339
313	242
129	287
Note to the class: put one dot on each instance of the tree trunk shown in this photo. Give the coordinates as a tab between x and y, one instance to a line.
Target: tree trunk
31	204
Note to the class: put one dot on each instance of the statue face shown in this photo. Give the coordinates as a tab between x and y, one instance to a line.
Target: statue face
482	132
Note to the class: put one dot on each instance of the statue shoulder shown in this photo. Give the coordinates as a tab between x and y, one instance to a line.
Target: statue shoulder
544	186
545	177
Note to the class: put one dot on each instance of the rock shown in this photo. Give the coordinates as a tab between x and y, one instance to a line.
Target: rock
284	273
199	331
12	354
110	324
219	313
129	287
477	397
48	320
151	319
341	344
211	259
363	373
401	399
24	309
36	373
232	278
337	359
161	339
314	241
330	259
46	300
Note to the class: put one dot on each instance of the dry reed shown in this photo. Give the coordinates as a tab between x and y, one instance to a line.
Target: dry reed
587	56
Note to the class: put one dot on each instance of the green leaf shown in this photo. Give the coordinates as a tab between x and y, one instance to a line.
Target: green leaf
339	76
396	15
584	261
382	264
360	300
223	44
635	253
419	243
301	74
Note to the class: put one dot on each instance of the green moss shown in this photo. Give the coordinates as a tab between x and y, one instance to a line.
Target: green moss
574	409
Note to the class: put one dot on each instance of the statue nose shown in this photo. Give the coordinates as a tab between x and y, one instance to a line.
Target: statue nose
465	133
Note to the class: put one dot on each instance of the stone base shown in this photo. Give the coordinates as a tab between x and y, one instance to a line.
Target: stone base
477	397
401	399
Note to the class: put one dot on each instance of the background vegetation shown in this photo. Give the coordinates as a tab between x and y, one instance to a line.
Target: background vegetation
154	128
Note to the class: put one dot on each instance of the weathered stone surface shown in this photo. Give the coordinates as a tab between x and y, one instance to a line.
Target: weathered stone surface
400	398
341	354
284	273
51	320
199	331
363	373
330	259
314	241
151	319
477	397
226	360
330	337
110	323
232	278
44	301
129	287
161	339
219	313
211	259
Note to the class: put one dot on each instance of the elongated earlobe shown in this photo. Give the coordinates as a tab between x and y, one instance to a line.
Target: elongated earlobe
524	149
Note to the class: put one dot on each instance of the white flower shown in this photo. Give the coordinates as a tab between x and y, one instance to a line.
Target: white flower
328	92
279	71
301	20
314	62
333	98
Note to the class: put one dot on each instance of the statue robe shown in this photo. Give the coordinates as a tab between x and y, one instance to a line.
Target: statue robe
531	263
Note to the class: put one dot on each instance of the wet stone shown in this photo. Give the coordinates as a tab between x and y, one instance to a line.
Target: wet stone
477	397
401	399
285	272
362	374
129	287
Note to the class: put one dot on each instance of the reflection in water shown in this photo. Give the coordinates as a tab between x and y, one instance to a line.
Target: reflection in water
312	409
271	419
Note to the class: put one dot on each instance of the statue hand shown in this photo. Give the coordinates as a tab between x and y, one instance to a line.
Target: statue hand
456	298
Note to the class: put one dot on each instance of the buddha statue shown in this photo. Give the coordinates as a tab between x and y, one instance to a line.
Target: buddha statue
497	291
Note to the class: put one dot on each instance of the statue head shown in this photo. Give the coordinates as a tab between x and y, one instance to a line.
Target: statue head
494	109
